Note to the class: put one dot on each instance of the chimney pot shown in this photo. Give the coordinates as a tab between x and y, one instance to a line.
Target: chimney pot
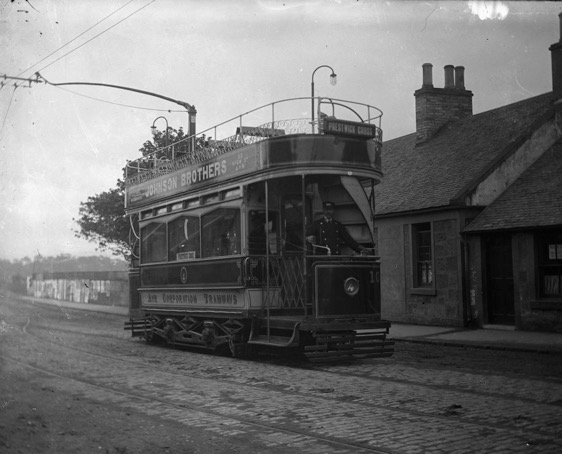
427	69
449	76
556	62
436	107
459	77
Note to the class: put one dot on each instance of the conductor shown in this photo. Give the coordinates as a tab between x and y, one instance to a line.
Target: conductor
330	233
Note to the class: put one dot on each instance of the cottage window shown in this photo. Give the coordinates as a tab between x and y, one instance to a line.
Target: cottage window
422	250
550	264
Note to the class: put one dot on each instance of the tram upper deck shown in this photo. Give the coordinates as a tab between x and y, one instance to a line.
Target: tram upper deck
268	141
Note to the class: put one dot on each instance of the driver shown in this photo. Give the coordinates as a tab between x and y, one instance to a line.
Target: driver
331	233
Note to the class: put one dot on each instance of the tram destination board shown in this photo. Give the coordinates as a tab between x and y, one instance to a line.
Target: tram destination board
349	128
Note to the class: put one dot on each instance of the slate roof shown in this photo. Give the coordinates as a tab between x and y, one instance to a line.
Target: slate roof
442	169
533	200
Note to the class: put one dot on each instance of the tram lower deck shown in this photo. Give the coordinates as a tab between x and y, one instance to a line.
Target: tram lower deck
336	312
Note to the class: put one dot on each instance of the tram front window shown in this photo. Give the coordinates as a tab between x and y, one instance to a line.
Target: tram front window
153	243
220	232
183	238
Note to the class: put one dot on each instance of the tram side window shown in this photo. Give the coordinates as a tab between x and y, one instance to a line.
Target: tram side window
220	232
153	243
183	238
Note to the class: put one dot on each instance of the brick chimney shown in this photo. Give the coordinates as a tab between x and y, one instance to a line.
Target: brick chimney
437	106
556	62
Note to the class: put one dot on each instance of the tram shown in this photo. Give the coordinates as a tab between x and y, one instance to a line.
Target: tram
222	256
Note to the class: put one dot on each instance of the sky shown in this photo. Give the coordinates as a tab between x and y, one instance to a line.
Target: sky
61	145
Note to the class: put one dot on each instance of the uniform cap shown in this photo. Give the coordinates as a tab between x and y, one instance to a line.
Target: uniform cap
329	204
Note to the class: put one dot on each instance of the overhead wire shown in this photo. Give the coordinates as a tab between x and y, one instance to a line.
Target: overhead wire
73	50
99	34
75	38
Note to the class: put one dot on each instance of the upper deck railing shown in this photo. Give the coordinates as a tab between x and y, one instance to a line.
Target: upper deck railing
271	120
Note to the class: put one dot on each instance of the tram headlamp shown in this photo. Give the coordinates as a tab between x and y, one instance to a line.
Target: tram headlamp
351	286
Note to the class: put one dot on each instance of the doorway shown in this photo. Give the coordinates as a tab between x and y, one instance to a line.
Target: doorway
499	280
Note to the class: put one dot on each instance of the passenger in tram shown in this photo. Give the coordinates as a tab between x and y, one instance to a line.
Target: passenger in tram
330	233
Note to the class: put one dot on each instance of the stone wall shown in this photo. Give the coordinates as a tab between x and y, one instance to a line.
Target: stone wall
442	304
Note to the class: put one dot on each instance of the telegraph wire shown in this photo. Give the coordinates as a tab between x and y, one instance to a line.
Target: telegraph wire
101	33
75	38
8	110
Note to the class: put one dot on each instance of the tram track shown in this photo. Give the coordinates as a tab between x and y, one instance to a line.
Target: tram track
182	407
197	412
328	405
447	414
346	371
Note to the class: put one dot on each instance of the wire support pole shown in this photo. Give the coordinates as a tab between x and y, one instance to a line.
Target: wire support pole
191	111
188	107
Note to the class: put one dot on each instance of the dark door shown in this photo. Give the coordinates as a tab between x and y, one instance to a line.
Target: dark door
499	279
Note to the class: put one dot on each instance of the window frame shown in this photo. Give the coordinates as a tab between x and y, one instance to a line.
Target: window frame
182	217
549	258
234	249
415	253
144	245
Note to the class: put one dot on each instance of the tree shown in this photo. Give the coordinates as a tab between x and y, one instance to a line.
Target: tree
157	149
102	218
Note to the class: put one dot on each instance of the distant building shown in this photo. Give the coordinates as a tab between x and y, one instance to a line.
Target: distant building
89	287
469	212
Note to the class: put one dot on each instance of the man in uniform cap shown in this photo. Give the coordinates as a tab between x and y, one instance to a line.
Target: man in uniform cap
331	233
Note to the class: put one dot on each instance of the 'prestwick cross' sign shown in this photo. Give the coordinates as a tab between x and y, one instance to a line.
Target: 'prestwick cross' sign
349	128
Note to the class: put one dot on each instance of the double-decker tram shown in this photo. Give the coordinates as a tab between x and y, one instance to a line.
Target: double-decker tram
231	247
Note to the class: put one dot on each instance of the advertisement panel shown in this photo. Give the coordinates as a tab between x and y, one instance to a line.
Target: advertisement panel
223	167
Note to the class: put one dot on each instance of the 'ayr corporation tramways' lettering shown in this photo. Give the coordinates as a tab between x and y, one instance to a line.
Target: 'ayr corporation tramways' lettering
194	298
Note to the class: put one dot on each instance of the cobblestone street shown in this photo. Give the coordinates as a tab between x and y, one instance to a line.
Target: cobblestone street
423	399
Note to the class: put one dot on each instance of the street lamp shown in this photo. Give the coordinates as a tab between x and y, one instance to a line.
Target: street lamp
153	128
333	81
